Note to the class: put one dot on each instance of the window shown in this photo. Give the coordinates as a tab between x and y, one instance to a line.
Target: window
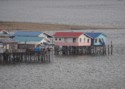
59	38
84	39
95	40
88	40
65	39
102	40
55	38
80	39
74	40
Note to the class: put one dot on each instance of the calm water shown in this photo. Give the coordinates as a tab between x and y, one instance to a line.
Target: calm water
86	12
71	72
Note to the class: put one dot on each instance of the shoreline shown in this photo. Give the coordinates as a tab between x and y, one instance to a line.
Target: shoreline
30	26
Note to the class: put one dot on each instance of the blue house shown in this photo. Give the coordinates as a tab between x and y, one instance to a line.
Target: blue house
97	39
30	39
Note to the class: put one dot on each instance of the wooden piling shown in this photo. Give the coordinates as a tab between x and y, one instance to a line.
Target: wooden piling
111	48
27	57
108	50
85	50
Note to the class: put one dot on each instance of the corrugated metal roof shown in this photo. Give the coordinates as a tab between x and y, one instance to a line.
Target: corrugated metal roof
93	34
27	33
1	34
68	34
7	40
28	39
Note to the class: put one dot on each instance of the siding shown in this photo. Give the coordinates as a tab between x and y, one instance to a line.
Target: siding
65	41
84	42
100	37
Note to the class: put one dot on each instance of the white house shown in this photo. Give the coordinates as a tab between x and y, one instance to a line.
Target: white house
71	39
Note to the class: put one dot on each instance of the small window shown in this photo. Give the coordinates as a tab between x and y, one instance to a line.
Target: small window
59	38
102	40
88	40
80	39
65	39
74	40
95	40
55	38
84	39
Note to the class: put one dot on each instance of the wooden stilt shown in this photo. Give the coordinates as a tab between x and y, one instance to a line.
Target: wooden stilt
111	48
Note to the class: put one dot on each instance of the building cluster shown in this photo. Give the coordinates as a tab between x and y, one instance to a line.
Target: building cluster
33	39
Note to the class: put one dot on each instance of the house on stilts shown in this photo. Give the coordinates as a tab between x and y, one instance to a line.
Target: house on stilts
6	43
97	39
30	39
71	39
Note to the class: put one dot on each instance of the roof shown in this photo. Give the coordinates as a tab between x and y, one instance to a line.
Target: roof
7	40
68	34
49	36
28	39
93	34
27	33
4	31
1	34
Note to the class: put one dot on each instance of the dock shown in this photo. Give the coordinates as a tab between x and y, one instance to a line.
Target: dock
25	57
84	50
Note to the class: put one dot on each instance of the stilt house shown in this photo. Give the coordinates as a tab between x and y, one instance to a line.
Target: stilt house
71	39
6	42
97	39
30	39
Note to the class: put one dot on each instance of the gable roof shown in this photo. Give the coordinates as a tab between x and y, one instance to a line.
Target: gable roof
28	39
27	33
49	36
93	34
68	34
4	31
